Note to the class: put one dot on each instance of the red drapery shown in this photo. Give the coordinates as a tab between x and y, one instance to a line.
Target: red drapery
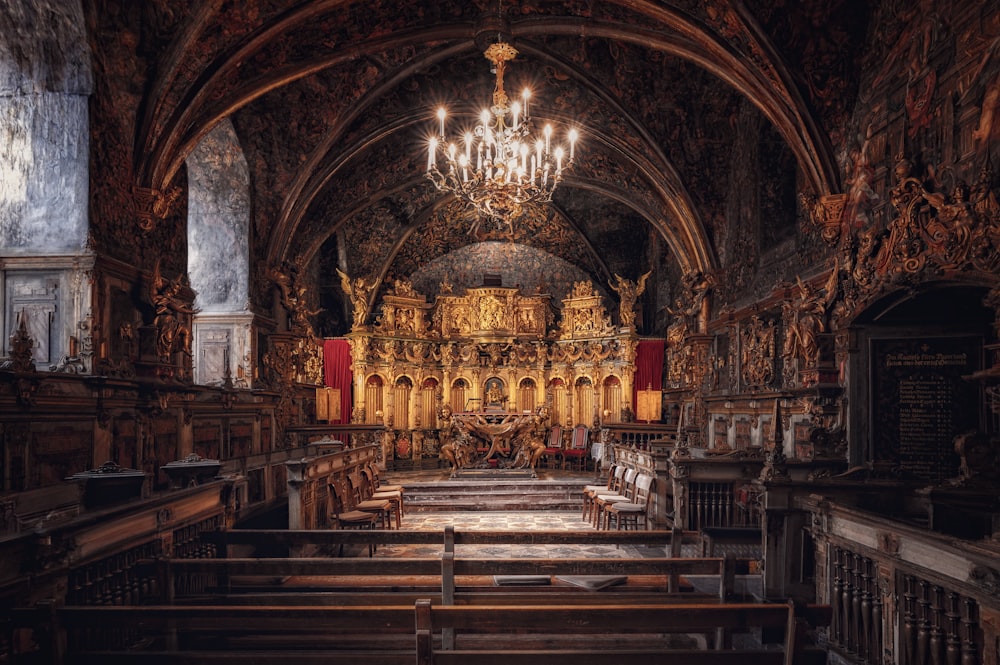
337	374
648	367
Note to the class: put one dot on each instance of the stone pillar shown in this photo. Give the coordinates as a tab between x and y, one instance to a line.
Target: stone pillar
224	346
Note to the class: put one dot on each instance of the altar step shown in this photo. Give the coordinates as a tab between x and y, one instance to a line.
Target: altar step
494	494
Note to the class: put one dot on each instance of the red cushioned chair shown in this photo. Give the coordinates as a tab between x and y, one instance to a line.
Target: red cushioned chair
579	448
553	451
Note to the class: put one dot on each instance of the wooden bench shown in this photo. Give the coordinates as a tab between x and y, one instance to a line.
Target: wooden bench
564	626
146	635
437	575
713	536
578	634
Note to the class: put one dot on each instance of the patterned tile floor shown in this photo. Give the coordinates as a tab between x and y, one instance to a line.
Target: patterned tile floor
746	586
520	520
531	521
510	521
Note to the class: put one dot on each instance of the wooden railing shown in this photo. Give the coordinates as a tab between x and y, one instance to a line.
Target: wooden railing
353	435
638	435
722	504
902	595
938	625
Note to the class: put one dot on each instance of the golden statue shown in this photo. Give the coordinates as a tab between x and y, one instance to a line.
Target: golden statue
358	291
628	292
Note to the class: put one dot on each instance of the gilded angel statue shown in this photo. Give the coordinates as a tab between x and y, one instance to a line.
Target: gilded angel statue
358	290
629	291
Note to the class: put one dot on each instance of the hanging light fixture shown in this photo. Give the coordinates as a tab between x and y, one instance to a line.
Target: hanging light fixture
499	167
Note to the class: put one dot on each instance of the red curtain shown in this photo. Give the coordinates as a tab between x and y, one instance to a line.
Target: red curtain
648	367
337	374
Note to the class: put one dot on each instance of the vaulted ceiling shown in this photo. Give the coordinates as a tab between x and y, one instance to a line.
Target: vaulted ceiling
692	113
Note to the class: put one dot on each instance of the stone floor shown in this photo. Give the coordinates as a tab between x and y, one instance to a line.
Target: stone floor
542	520
524	520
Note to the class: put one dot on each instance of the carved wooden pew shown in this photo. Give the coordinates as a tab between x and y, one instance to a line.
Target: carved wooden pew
445	577
439	579
575	634
147	635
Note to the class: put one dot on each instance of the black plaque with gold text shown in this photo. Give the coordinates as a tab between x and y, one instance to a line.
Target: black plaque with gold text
920	402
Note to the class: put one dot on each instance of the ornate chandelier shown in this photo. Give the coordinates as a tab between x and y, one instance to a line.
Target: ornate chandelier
499	167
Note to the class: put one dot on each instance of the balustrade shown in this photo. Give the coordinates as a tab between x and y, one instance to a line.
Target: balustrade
939	626
901	595
857	606
721	504
638	436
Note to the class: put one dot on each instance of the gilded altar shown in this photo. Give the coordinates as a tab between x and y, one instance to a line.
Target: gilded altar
493	351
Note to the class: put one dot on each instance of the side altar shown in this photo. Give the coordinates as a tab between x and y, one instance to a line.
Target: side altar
482	378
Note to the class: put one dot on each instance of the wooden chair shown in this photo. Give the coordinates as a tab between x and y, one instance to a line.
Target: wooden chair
590	491
380	507
579	448
625	513
377	483
344	517
553	451
624	492
394	497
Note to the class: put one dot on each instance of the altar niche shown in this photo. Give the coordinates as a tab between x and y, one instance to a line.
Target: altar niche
495	397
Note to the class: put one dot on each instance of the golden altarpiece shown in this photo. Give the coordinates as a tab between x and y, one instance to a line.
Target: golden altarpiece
492	370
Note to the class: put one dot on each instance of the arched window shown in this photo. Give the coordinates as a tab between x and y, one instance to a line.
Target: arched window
557	388
374	400
428	404
583	411
526	395
401	403
459	393
612	400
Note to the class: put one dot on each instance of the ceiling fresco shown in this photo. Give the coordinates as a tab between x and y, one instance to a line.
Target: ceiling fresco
700	121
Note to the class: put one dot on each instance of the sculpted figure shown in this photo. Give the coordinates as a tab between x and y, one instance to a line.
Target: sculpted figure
173	333
494	393
358	291
628	291
807	320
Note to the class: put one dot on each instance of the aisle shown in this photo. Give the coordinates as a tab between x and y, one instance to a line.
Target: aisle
541	520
